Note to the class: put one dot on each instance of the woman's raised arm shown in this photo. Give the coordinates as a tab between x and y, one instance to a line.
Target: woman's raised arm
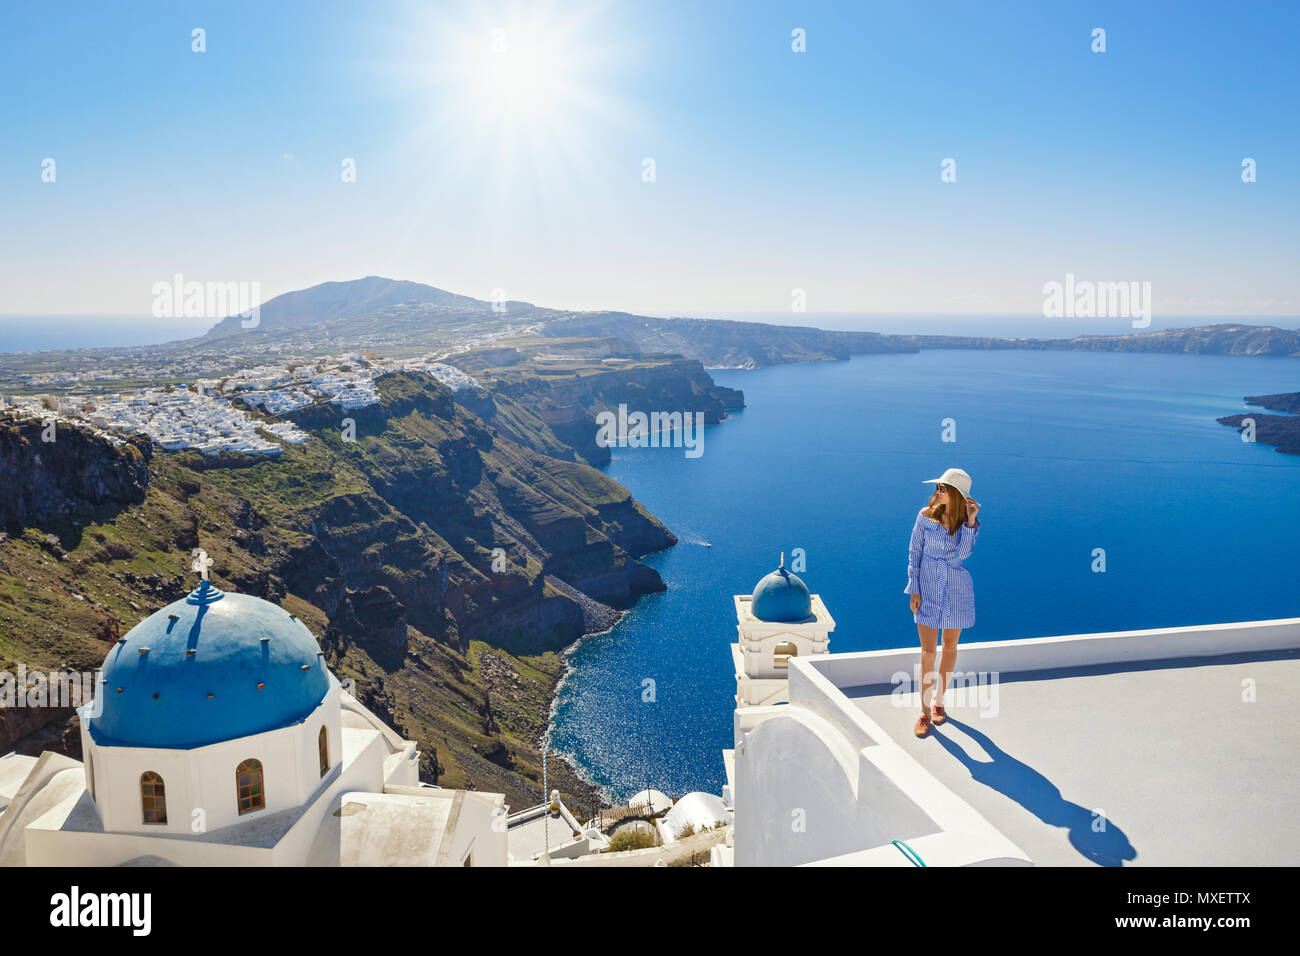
966	539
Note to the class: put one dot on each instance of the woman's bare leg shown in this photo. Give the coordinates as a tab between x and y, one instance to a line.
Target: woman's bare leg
929	639
948	660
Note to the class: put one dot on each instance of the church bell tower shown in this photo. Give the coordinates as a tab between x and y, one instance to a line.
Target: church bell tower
779	621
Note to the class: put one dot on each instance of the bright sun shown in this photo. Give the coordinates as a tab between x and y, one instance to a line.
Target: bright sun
527	74
516	77
518	98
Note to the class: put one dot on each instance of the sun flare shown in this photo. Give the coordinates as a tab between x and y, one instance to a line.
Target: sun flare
533	80
528	100
519	75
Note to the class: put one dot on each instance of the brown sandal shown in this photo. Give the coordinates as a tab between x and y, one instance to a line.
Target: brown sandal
940	715
922	726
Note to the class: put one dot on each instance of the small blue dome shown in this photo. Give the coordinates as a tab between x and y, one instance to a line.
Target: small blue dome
781	596
210	667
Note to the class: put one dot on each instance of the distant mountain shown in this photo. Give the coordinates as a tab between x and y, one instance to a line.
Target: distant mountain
723	343
386	312
339	300
1225	338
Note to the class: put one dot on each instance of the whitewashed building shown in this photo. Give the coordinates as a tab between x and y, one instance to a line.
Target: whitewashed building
1168	747
218	737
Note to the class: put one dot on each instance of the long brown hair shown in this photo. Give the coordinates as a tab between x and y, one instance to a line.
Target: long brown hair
950	519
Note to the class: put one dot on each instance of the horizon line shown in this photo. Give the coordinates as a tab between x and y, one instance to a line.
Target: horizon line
673	314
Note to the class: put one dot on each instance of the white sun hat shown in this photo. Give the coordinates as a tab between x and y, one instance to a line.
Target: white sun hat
954	478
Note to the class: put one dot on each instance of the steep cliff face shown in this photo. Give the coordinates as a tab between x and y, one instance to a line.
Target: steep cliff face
1223	339
431	534
71	473
722	343
459	525
538	405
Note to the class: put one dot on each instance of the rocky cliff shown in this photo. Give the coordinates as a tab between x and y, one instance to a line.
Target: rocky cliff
722	343
1288	402
55	470
410	541
542	405
1281	431
1222	339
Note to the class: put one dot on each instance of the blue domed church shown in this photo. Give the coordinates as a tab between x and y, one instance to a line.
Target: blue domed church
781	619
218	736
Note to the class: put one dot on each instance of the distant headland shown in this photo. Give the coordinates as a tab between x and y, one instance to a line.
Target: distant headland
1283	431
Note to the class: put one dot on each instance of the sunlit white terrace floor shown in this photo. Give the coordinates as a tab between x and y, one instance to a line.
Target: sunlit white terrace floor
1183	771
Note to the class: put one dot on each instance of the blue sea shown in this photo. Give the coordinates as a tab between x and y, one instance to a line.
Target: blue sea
31	333
1069	452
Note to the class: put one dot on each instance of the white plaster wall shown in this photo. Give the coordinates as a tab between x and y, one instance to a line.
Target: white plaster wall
290	767
47	847
1072	650
117	787
81	849
54	781
805	792
363	772
475	834
937	849
760	651
309	754
811	690
403	769
762	692
795	797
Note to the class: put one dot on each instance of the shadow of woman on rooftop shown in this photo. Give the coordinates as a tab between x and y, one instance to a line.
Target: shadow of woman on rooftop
1094	836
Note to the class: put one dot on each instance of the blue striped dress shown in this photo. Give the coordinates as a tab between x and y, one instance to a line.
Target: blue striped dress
934	571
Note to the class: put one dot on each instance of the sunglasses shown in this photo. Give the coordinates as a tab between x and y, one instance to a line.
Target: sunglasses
942	489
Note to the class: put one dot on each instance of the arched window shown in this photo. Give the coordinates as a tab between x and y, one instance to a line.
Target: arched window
324	745
248	779
153	798
782	653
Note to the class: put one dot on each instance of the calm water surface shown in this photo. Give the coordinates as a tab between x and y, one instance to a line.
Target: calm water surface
1069	452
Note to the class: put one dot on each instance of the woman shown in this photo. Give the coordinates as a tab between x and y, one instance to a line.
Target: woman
941	590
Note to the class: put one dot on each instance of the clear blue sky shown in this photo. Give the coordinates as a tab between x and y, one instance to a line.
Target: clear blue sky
521	168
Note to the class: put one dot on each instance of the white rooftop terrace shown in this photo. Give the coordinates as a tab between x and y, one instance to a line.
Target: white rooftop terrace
1182	740
531	832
